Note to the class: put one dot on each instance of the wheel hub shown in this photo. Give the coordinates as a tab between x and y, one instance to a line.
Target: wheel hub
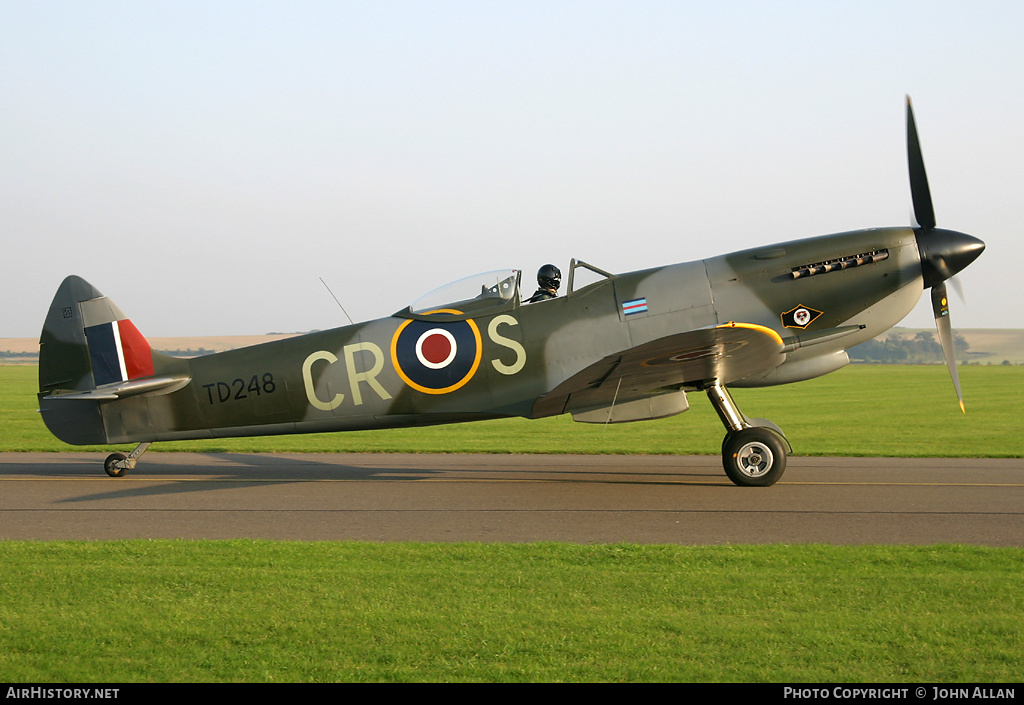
755	459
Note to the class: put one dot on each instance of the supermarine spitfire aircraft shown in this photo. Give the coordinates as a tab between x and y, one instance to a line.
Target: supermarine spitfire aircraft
626	347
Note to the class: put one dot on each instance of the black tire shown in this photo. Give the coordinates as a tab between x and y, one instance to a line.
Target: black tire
754	457
108	465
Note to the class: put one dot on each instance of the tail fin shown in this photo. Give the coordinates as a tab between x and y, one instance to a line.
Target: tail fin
87	342
90	353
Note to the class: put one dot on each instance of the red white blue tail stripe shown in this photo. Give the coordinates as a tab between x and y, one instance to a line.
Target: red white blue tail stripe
634	306
118	352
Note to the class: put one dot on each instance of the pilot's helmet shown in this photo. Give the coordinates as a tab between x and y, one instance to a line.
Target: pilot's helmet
549	277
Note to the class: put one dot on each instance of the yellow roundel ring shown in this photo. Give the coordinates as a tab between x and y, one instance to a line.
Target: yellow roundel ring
437	357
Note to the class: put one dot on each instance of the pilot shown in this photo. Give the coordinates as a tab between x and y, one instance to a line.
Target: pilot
549	279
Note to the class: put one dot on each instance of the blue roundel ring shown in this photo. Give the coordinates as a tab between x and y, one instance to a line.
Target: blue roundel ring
436	358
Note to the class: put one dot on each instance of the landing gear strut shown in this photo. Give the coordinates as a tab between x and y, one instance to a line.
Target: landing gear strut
118	464
754	451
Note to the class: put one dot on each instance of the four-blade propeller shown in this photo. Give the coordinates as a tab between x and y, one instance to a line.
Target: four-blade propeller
943	252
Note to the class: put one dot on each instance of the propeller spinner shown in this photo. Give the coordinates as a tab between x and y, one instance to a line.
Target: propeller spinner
943	252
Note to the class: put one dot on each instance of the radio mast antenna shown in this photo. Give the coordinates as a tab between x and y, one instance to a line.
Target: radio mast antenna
351	322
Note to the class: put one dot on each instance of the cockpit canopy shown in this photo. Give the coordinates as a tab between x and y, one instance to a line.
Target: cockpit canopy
473	293
492	291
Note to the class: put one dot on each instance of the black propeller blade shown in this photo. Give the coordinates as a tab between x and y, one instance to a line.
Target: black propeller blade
924	213
943	252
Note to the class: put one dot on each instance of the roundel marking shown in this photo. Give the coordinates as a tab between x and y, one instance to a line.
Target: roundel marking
437	357
705	352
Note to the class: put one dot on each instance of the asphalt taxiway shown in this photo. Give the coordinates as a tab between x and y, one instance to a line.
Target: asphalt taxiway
494	498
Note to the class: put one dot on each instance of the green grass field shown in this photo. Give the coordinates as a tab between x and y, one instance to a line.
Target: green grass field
885	410
175	611
256	611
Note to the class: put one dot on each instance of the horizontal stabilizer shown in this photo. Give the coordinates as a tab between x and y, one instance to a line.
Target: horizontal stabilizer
119	390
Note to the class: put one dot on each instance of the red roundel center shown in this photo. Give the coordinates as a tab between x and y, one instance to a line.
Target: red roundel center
436	349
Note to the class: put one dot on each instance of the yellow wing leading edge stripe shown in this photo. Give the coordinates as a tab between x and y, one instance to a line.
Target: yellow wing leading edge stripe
753	326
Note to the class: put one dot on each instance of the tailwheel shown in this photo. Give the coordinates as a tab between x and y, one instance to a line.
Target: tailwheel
115	465
754	456
118	464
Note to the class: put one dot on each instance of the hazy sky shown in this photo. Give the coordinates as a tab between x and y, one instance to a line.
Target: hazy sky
205	163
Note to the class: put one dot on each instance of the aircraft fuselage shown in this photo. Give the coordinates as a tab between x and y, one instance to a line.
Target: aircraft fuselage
505	358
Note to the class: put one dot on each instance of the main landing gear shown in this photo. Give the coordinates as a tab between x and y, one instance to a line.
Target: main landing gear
118	464
754	451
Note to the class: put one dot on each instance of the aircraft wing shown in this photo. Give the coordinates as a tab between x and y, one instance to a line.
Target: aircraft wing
645	382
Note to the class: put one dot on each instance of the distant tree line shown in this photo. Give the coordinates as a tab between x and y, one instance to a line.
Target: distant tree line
188	353
173	353
922	348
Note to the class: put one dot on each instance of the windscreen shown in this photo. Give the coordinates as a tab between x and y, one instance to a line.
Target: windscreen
473	292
